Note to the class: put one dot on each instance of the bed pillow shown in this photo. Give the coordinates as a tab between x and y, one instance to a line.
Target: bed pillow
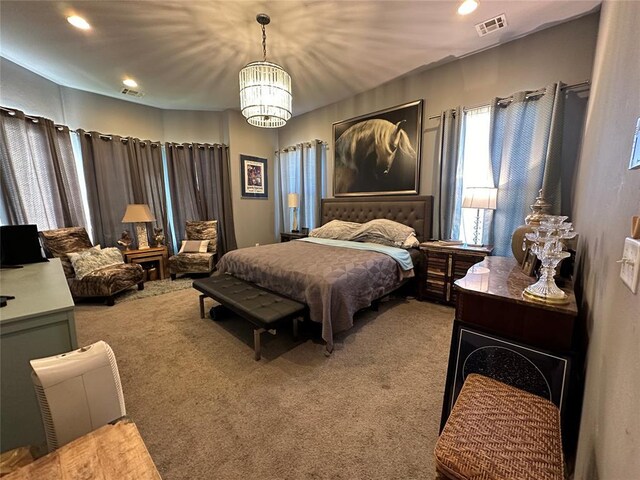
88	261
387	232
336	230
194	246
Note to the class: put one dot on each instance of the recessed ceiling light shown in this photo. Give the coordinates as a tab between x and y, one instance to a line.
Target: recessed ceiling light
130	82
78	22
467	7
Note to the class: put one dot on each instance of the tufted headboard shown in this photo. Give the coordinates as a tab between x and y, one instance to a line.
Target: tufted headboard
415	211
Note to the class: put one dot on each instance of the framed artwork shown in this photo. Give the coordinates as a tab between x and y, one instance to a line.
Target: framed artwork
635	149
378	153
529	263
253	176
530	369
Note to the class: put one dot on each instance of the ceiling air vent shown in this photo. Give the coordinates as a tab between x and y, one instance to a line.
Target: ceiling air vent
132	93
491	25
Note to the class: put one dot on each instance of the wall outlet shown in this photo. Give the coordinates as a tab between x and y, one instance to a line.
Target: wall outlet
630	263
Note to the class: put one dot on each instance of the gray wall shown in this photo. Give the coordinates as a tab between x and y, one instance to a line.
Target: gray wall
35	95
562	53
607	194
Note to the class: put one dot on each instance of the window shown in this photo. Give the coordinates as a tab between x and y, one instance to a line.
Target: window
300	169
474	169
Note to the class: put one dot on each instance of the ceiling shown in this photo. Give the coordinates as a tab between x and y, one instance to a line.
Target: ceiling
187	54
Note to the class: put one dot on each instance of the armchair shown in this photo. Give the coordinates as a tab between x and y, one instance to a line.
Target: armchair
105	282
197	262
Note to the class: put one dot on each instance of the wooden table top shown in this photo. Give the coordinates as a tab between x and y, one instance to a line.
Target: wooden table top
112	452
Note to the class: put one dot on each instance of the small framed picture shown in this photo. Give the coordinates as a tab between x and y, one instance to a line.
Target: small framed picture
529	263
635	149
253	177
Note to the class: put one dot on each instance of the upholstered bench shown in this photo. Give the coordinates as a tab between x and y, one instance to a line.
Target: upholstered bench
263	308
500	432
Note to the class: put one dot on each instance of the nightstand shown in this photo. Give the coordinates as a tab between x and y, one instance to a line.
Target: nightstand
288	236
149	258
442	265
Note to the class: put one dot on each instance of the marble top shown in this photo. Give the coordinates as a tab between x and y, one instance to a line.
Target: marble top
503	277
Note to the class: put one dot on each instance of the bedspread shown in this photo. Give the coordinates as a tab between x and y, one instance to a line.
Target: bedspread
335	282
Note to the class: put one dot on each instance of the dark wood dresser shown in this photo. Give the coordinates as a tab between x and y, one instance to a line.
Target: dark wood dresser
534	346
442	265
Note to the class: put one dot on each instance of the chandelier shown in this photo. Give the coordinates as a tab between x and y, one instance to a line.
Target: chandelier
265	89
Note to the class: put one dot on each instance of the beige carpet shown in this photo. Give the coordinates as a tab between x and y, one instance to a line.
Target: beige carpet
207	410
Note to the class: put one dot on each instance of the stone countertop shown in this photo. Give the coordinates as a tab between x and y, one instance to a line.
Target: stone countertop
503	277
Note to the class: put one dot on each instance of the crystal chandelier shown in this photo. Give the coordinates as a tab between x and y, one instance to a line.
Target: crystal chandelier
265	89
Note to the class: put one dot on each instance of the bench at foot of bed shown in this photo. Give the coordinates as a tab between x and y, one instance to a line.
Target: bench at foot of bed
263	308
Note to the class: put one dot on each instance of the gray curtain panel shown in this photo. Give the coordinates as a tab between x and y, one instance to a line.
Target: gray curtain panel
525	149
200	189
107	171
39	178
147	180
448	201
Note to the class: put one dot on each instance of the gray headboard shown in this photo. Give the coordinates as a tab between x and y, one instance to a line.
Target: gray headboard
415	211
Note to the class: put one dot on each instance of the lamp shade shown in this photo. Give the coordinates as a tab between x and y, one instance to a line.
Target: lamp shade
293	199
480	197
138	212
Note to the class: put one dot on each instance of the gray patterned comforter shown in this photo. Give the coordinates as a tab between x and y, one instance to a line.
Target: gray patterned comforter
335	282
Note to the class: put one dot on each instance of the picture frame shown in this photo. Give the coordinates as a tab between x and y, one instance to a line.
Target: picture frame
475	350
529	263
254	177
635	148
379	153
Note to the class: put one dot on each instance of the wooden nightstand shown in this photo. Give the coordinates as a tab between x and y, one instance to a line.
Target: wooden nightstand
444	264
287	236
152	257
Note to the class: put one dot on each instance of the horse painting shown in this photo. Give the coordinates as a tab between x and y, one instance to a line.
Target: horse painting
376	156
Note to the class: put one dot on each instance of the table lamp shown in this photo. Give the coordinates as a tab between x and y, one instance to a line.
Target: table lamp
480	198
139	214
294	201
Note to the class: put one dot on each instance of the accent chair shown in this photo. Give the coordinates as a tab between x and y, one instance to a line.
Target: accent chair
105	282
195	262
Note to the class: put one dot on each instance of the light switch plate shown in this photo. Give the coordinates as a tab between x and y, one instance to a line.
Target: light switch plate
630	263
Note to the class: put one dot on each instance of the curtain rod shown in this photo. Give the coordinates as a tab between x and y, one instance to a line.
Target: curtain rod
33	119
535	93
306	144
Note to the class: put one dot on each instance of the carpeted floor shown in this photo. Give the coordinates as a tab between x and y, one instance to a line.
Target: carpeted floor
207	410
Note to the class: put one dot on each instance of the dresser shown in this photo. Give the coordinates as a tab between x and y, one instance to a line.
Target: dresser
442	265
39	322
534	346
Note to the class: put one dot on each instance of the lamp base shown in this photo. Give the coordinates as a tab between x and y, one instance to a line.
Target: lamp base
295	231
141	233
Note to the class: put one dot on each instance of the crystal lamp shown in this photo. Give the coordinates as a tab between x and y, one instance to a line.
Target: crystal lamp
547	245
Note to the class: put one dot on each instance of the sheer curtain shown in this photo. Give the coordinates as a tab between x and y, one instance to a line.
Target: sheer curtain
39	179
525	149
300	169
200	189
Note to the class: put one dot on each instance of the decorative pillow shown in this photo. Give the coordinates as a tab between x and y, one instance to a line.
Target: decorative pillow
62	241
337	230
194	246
385	232
204	230
89	261
411	241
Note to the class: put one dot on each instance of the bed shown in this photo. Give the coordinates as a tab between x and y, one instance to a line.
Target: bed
333	281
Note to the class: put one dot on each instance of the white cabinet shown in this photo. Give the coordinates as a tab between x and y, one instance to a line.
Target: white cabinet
39	322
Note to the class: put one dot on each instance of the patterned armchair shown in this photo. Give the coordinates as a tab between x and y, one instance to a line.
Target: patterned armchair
105	282
197	262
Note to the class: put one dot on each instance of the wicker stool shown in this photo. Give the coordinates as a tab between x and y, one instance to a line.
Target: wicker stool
498	432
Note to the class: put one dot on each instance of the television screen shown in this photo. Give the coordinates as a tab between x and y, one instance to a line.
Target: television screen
19	244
